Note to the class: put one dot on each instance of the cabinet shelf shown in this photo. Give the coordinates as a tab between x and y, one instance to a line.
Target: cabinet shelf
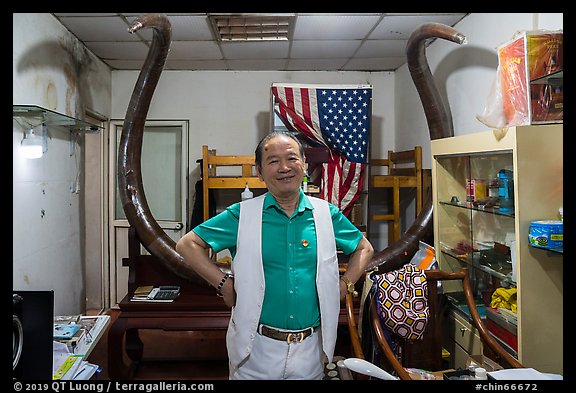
36	115
555	79
557	250
492	210
493	268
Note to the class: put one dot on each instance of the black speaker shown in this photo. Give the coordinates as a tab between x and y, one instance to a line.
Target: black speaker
33	324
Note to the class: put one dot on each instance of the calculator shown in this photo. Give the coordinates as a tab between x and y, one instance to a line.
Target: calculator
165	293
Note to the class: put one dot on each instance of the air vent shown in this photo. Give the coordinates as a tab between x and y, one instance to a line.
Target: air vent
230	28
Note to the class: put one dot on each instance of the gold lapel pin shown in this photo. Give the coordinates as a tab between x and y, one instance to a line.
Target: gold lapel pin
305	243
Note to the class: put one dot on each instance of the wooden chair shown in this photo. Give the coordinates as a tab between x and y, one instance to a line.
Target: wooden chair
212	179
426	353
404	170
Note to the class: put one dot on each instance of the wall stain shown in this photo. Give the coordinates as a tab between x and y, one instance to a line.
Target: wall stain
51	96
76	69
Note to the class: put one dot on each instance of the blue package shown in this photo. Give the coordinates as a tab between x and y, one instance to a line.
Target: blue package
546	234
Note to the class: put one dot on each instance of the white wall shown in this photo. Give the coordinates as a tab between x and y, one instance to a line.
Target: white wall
53	70
230	111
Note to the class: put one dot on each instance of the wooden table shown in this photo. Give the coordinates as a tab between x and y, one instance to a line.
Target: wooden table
193	310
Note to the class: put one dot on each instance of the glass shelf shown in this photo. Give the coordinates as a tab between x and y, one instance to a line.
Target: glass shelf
497	269
555	79
38	115
558	250
493	210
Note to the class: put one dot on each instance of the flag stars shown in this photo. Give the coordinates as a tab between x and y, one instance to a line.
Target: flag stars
343	116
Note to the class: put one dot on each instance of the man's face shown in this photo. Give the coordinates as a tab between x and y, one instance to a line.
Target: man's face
282	167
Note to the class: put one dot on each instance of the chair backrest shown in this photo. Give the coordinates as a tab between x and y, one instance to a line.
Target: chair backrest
212	179
401	163
426	353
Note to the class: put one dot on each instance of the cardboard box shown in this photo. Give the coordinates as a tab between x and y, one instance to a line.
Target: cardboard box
531	78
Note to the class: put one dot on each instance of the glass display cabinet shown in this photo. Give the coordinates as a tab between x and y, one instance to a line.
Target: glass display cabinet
487	188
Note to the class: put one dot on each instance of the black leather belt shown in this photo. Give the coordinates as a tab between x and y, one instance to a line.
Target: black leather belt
289	337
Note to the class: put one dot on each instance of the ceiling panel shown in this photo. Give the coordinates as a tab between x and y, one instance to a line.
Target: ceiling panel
194	50
381	48
255	50
399	27
334	27
324	49
317	42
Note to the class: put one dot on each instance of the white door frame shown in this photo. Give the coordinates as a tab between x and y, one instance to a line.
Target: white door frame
97	248
118	228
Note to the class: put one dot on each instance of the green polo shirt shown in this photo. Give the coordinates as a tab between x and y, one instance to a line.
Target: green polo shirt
289	257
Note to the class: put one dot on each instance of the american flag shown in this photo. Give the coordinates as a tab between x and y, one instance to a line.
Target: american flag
337	117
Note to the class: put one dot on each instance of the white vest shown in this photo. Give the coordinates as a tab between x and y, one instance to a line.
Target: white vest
249	280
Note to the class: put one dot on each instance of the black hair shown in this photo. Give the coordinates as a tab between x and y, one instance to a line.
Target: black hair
267	137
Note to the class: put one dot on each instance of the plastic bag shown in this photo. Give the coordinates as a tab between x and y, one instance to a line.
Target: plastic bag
425	257
493	114
500	112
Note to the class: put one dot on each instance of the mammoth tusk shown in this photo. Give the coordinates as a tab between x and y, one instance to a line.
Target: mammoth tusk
439	126
131	190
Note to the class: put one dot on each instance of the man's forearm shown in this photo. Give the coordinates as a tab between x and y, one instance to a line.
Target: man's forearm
359	260
197	257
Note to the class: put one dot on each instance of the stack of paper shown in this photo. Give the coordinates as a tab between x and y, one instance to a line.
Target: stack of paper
522	374
67	366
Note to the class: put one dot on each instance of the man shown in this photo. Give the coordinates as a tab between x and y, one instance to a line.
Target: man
285	293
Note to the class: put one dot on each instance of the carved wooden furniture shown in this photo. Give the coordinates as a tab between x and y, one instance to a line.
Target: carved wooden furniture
403	170
197	308
426	353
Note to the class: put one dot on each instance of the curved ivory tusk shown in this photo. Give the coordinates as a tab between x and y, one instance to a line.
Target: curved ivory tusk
131	190
439	126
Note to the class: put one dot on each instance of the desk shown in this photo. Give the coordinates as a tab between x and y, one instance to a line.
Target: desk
195	309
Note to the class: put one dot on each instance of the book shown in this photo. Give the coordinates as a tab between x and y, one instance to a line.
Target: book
64	331
163	294
65	366
86	371
143	291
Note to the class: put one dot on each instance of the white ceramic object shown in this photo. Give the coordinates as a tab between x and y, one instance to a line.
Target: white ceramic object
364	367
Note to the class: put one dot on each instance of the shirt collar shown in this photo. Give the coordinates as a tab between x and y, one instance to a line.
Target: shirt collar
304	203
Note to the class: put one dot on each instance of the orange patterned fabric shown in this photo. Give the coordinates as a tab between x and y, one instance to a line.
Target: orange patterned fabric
402	300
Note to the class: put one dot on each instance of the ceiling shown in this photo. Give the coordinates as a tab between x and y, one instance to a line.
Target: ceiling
316	42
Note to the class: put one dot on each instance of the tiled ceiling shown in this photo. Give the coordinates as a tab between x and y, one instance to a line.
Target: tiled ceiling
316	42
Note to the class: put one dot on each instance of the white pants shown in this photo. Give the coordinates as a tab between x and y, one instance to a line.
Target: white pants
275	359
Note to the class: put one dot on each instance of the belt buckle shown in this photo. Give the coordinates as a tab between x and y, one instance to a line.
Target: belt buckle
295	337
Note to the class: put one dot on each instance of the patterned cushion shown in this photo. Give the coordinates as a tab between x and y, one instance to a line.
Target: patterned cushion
402	300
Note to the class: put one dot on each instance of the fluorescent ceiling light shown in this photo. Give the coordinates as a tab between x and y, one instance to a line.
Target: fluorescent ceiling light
263	27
